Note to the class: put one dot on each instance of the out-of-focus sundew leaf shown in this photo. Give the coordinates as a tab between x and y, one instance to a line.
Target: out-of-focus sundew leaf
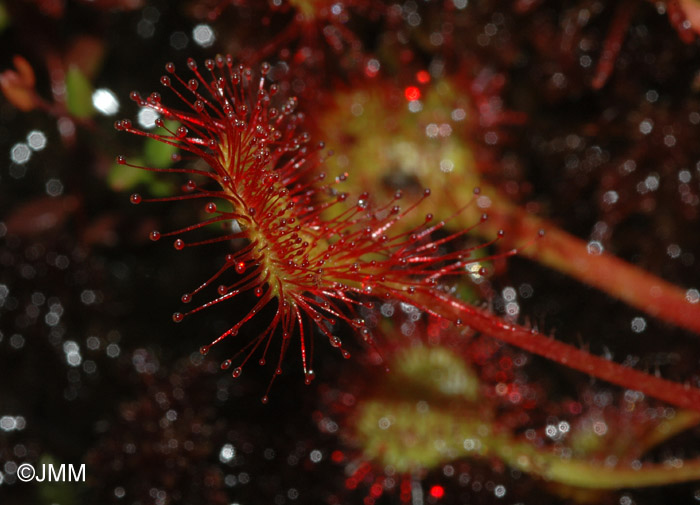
78	94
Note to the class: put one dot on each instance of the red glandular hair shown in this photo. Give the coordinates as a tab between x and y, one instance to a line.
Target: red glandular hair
309	252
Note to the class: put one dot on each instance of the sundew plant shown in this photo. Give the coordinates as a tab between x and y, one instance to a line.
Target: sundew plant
450	246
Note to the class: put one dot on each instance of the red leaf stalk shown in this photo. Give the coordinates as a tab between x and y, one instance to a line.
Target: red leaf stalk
530	340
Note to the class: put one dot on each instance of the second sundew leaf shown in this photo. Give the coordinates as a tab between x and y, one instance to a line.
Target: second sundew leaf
384	146
78	93
441	371
429	412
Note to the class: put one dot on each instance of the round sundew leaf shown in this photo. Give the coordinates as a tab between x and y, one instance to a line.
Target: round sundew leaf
438	370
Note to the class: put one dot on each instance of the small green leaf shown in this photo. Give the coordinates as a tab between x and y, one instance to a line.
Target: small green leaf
124	177
78	94
160	189
159	154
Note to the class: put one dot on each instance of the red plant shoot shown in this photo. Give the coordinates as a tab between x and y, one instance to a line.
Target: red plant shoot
309	253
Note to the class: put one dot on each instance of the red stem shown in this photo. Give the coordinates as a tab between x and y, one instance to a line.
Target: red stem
612	275
450	308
